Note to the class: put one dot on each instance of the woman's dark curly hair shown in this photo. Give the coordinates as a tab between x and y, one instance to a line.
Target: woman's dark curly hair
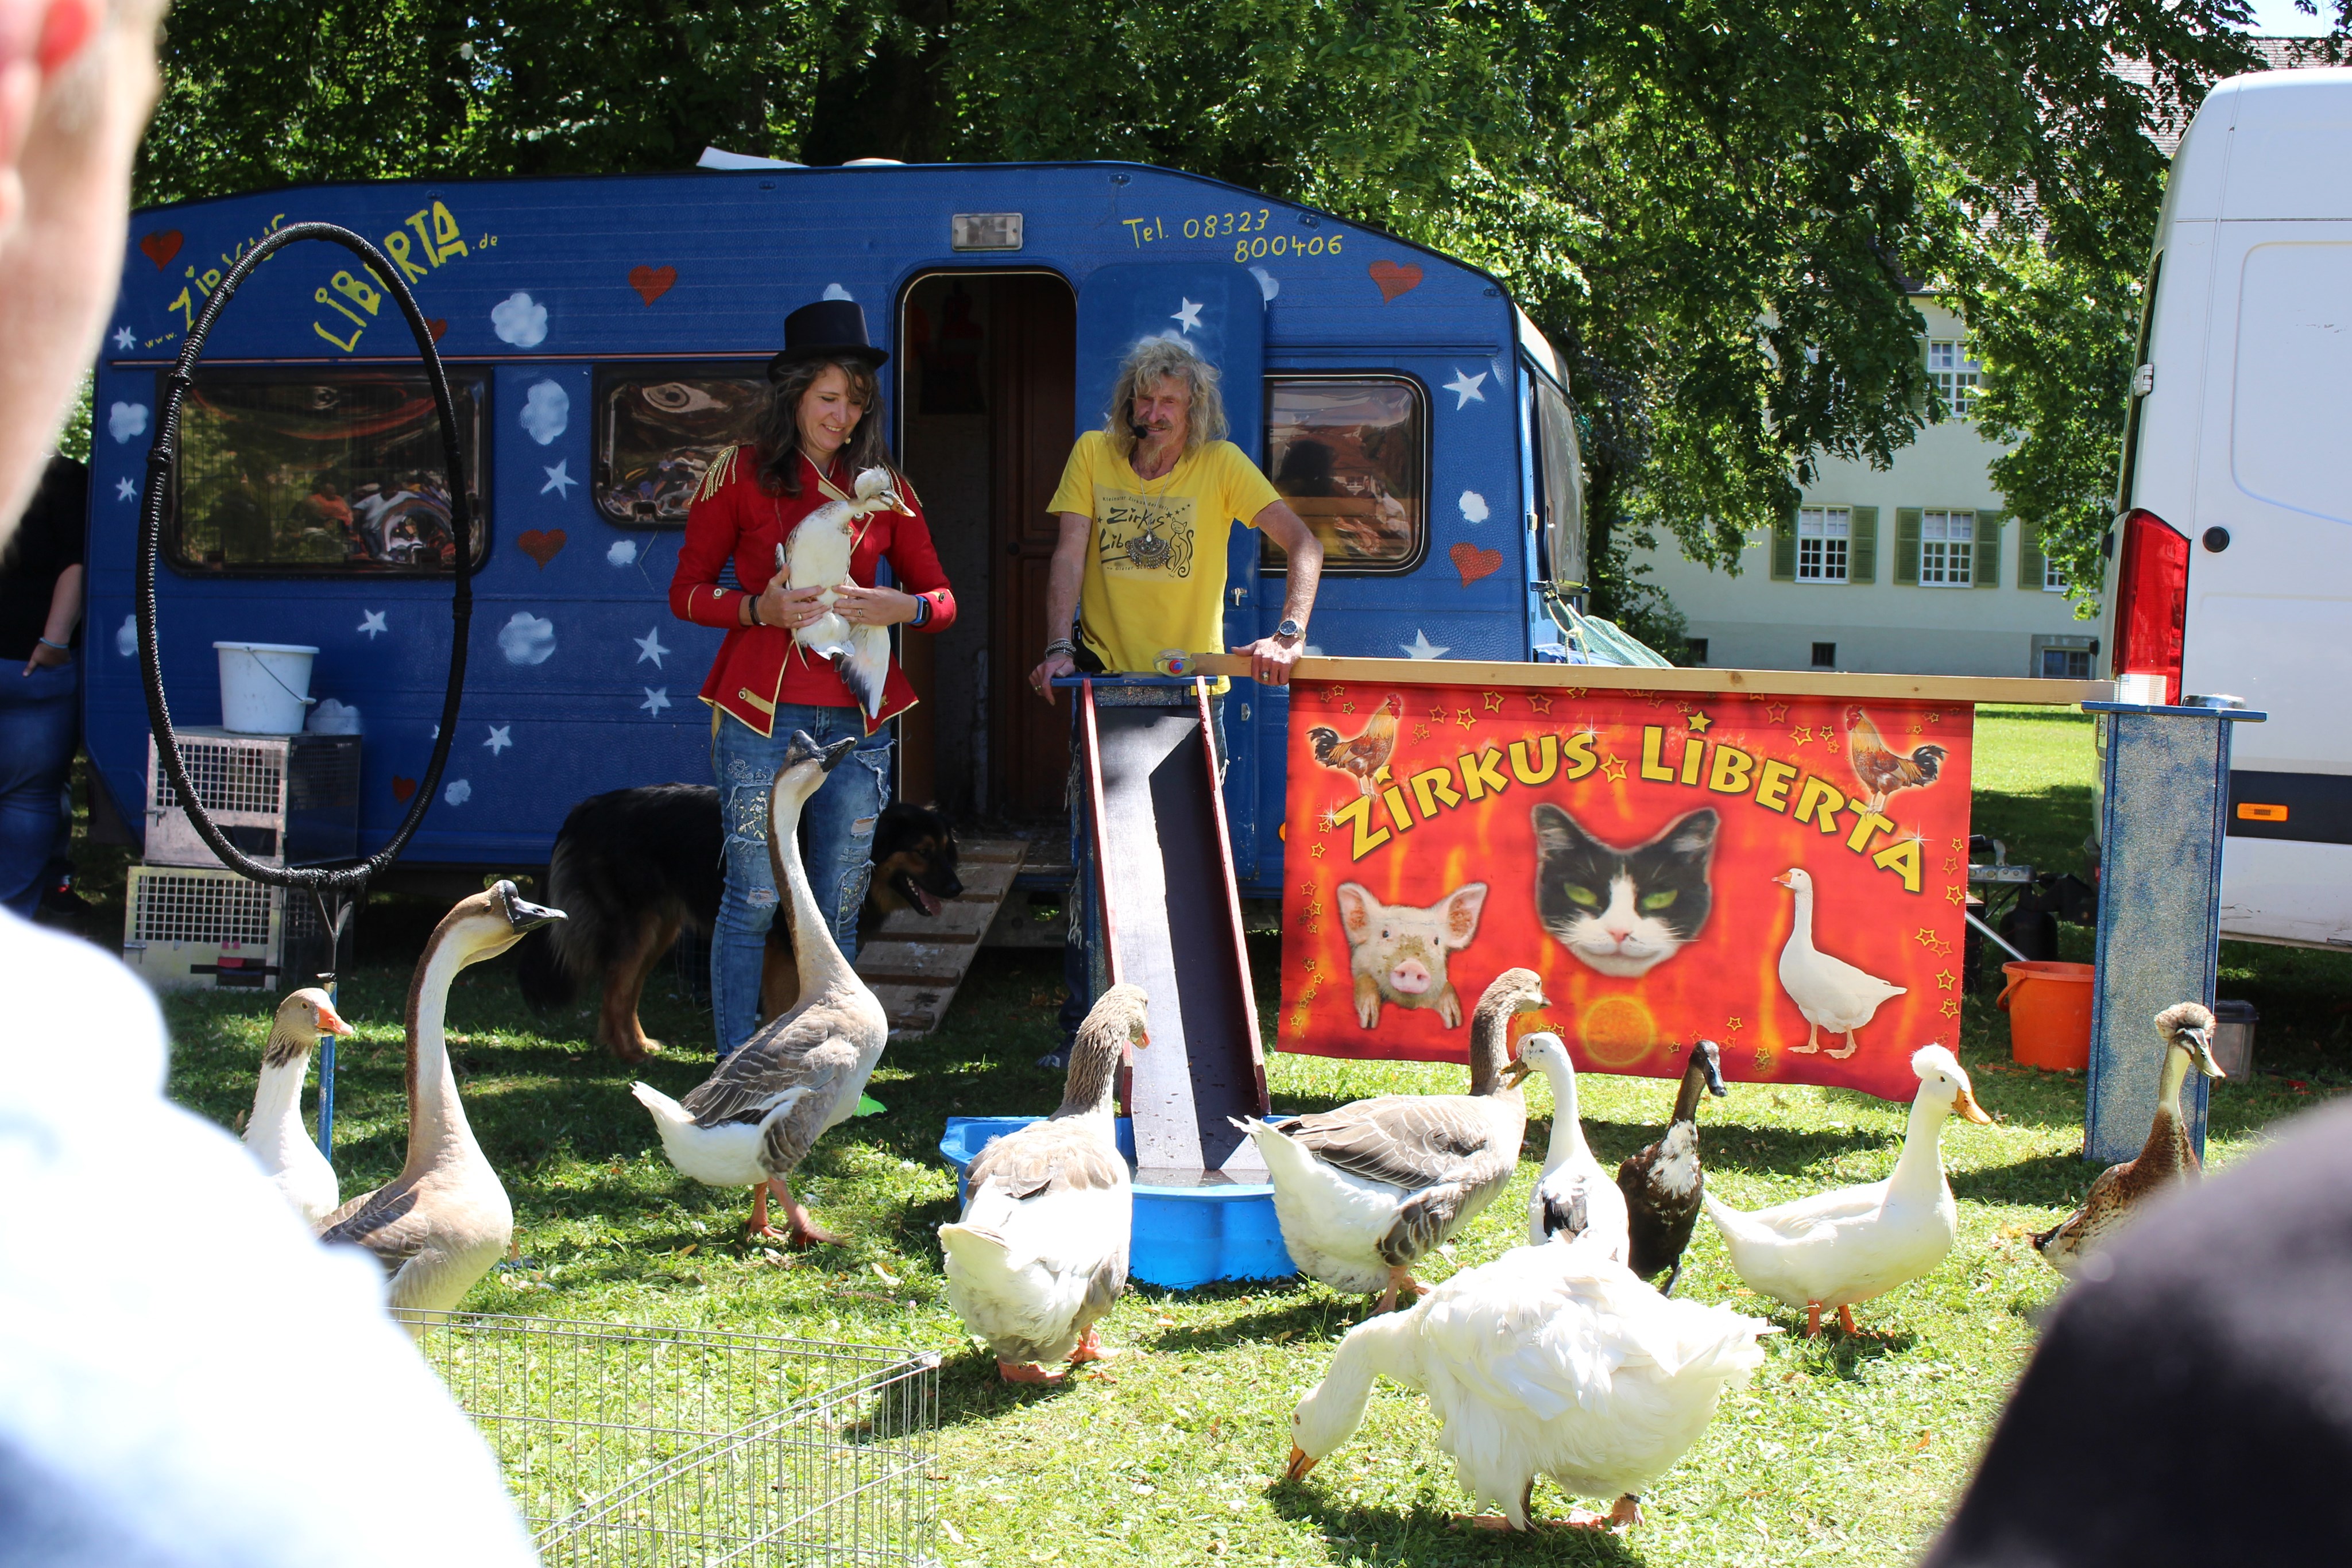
777	434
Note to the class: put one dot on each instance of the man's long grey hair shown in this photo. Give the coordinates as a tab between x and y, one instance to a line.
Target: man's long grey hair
1147	363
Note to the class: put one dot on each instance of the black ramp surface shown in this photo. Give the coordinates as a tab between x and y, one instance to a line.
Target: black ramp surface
1174	929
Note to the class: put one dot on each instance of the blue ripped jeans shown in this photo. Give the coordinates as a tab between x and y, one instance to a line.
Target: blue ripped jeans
836	847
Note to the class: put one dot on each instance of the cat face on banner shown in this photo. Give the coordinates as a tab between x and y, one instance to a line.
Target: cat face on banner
1623	911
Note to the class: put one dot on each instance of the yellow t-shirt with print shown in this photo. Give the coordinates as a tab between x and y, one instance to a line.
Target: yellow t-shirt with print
1155	579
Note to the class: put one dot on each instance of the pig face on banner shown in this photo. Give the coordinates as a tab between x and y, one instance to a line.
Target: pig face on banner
1623	911
1397	952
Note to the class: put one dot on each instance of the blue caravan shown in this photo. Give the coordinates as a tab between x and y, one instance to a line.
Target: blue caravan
606	337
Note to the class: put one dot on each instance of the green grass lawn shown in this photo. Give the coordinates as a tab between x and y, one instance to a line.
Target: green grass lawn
1845	1449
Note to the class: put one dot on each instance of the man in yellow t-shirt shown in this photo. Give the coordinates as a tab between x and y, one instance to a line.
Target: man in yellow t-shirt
1145	504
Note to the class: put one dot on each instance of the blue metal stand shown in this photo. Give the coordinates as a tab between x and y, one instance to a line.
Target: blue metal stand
2161	828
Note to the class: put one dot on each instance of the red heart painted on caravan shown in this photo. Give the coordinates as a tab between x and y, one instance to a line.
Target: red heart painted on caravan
402	789
162	246
1394	279
1474	563
436	326
652	282
544	547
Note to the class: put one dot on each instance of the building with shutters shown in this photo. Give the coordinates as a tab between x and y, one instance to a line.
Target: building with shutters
1915	570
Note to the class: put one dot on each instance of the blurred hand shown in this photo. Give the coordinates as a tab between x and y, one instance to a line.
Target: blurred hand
1271	658
46	658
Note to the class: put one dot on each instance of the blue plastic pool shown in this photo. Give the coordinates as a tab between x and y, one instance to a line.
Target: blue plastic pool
1183	1236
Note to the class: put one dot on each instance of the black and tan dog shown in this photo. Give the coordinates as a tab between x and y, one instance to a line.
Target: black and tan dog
632	868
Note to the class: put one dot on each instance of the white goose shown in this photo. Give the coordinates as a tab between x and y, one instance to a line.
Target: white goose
273	1133
817	556
1040	1253
1365	1191
752	1122
442	1223
1550	1360
1574	1199
1831	993
1852	1243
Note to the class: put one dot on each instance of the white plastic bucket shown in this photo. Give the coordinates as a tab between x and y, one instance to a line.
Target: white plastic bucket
265	686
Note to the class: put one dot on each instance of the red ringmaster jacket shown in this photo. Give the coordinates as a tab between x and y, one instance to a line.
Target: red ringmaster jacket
759	668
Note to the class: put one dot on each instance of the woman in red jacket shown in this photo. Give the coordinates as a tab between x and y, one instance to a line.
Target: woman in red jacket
821	427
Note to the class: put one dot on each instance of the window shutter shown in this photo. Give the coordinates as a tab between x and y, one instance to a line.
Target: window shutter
1906	545
1862	545
1784	549
2031	567
1987	571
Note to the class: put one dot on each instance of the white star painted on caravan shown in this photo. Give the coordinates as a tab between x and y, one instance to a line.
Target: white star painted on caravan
372	623
123	338
1464	387
649	647
499	740
656	700
1421	647
1189	316
558	479
124	490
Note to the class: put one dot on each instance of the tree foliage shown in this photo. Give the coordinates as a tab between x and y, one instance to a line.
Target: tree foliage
1716	208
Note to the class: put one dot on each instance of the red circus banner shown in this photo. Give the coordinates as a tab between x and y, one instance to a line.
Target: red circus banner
1783	876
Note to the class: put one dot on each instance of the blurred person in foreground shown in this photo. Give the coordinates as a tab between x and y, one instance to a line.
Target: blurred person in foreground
2190	1404
40	682
236	1395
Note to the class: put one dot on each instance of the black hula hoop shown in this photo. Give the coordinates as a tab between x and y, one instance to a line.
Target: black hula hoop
344	885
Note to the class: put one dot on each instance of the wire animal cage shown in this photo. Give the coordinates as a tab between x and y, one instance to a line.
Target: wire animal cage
651	1448
284	800
209	928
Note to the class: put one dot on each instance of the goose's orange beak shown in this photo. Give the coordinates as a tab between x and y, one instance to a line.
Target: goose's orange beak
331	1022
1295	1470
1966	1104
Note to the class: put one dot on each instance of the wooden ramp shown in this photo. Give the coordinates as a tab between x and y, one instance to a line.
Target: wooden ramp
915	962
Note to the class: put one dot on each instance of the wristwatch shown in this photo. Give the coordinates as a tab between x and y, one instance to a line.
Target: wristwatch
1289	628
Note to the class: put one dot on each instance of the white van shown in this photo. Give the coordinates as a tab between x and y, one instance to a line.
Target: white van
2230	568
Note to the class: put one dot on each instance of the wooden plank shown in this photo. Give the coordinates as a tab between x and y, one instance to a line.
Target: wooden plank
1618	677
914	964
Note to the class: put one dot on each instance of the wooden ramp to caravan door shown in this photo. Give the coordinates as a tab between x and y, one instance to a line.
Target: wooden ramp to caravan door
914	963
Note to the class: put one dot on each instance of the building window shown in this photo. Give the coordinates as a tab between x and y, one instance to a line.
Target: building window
2066	663
1698	646
1350	454
2053	579
1822	540
1948	549
321	471
1825	655
659	428
1956	374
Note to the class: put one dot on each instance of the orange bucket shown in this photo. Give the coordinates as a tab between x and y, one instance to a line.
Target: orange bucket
2049	1022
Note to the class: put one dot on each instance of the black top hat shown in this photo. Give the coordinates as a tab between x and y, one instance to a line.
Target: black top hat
828	329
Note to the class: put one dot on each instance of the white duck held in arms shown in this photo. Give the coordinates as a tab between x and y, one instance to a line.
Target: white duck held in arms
754	1119
441	1224
1829	992
1574	1199
1365	1191
818	556
1040	1253
1549	1361
273	1133
1852	1243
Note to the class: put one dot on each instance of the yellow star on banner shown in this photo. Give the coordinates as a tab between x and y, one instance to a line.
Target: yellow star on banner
1309	963
1333	694
1734	1025
1612	769
1465	719
1574	694
1927	938
1951	865
1493	702
1348	707
1381	774
1943	948
1946	979
1314	930
1421	732
1698	722
1775	712
1436	714
1959	846
1315	851
1802	734
1655	700
1314	911
1327	820
1764	1058
1305	889
1935	718
1917	728
1957	894
1950	1007
1539	701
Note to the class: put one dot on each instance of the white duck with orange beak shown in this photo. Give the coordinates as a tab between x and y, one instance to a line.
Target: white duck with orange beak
1852	1243
817	556
273	1133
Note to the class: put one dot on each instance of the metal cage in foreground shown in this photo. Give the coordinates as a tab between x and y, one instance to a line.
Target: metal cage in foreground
662	1447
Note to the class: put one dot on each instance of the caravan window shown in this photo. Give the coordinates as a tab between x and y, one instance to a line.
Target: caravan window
322	471
660	427
1351	456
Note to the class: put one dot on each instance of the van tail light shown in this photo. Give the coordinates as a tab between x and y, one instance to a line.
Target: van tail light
2151	601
